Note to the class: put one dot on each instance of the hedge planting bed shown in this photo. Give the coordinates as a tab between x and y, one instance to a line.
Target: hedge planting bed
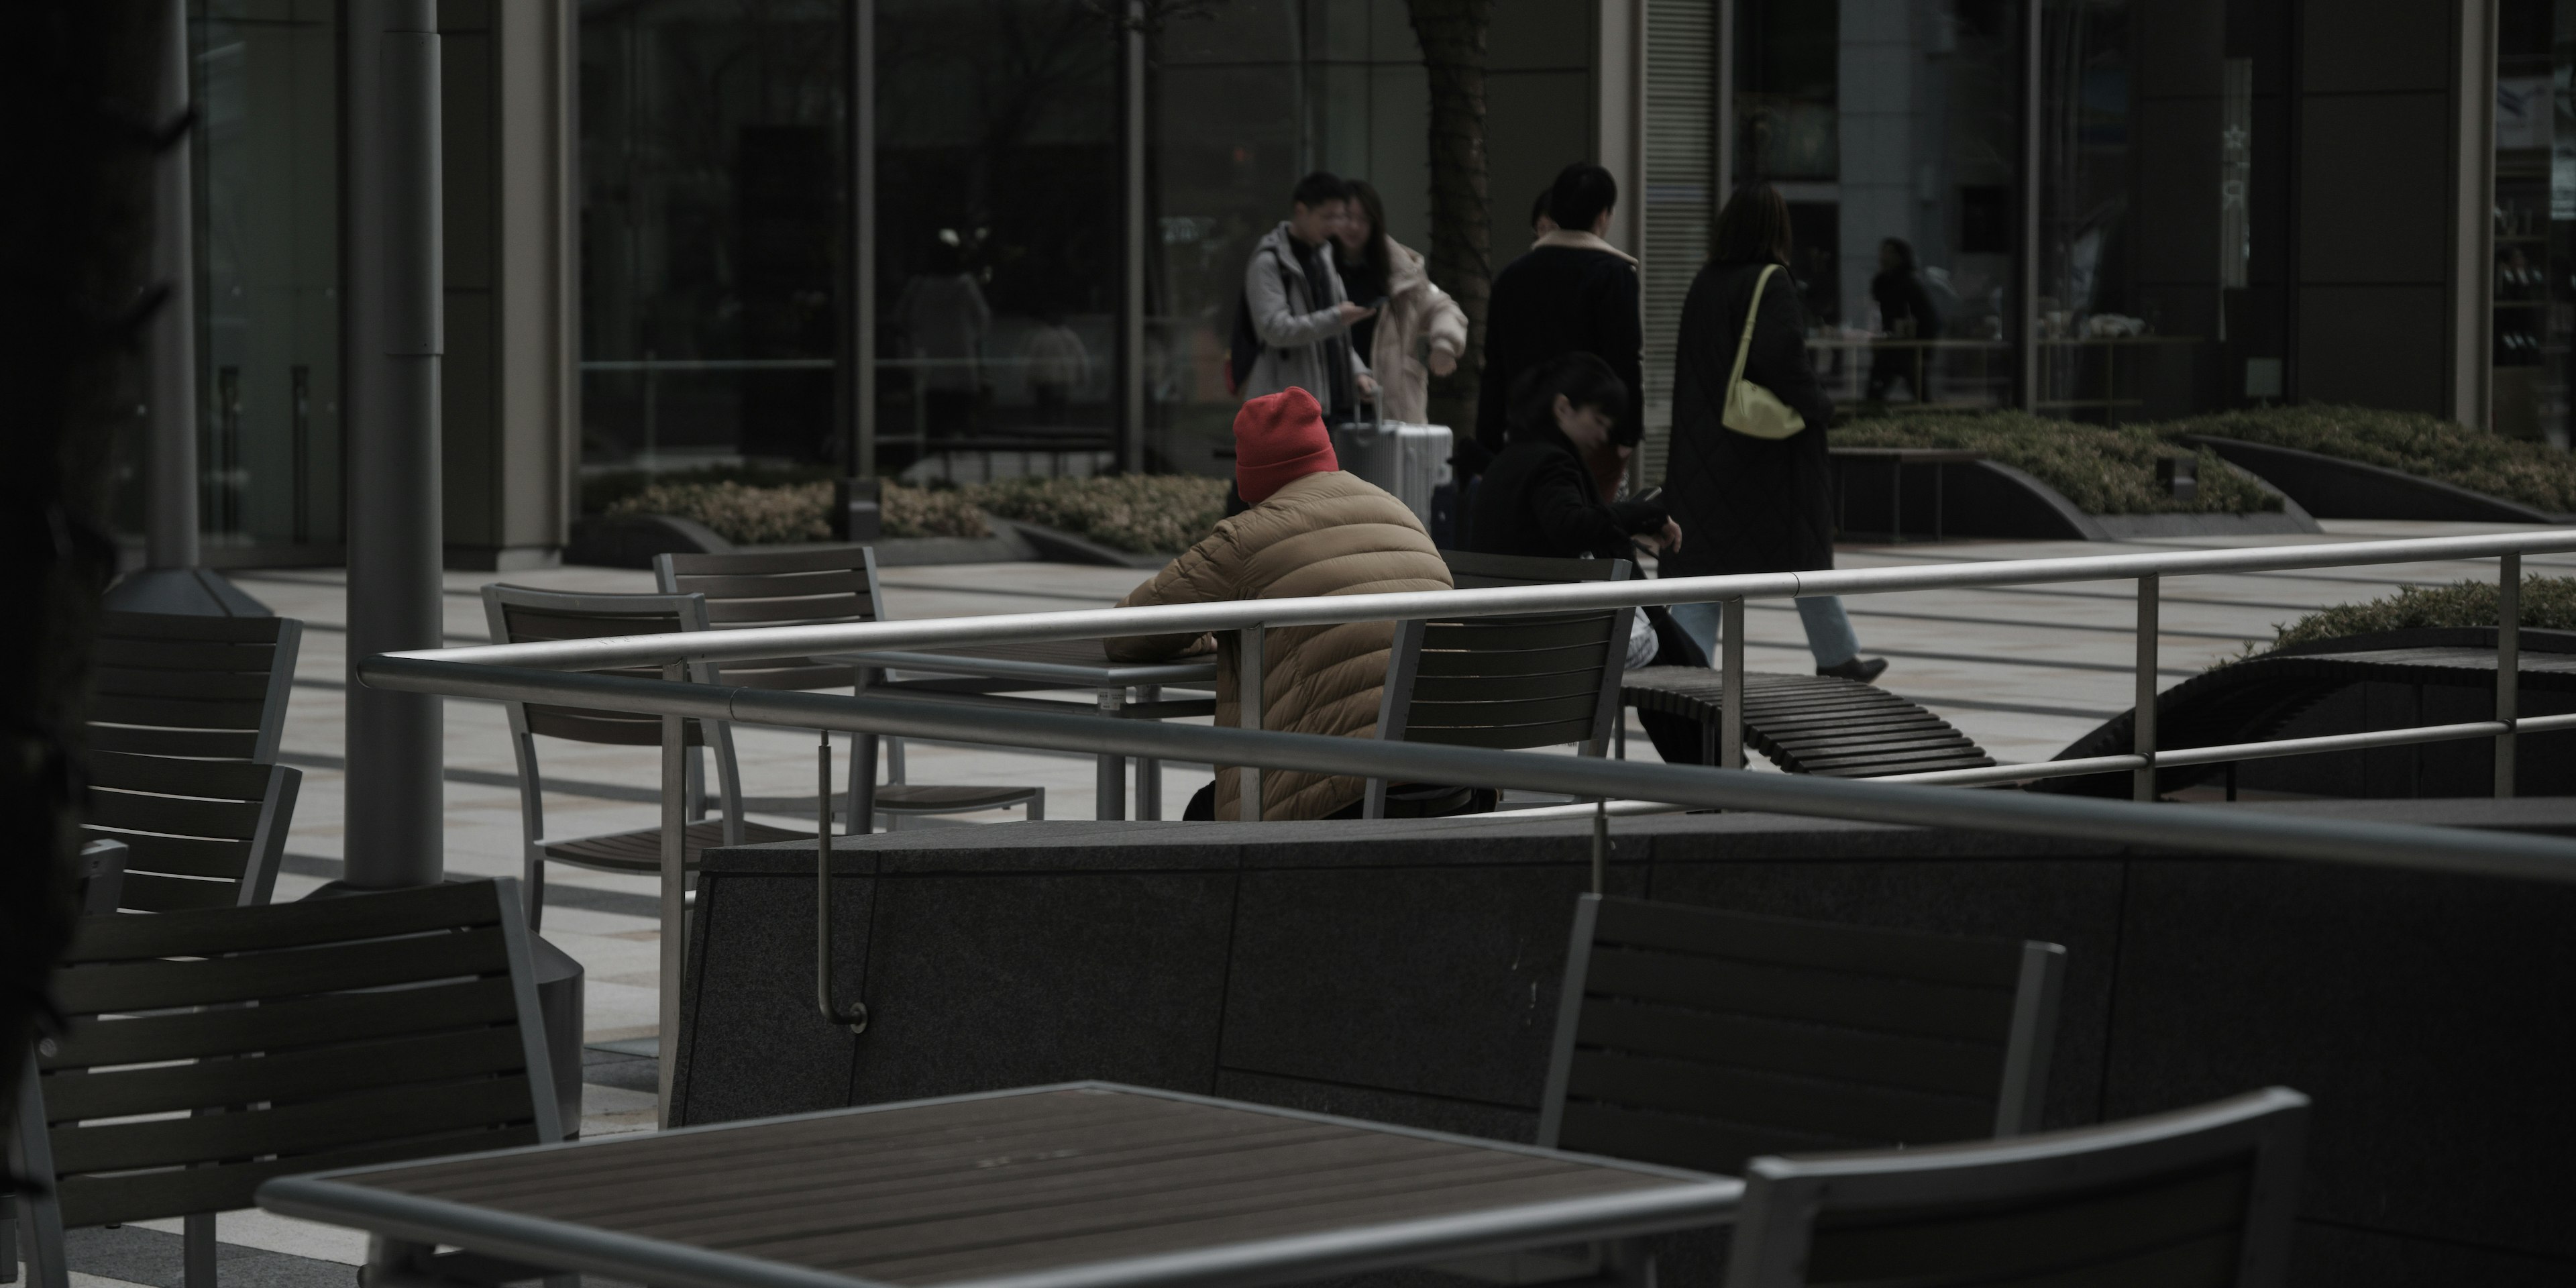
758	505
2548	603
2528	473
2101	469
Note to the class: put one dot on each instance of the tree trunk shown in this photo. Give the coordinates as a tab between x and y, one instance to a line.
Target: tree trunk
74	236
1452	35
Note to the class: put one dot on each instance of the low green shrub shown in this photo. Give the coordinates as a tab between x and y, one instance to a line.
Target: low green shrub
602	490
2534	474
2548	603
930	512
2102	469
1145	513
740	512
751	514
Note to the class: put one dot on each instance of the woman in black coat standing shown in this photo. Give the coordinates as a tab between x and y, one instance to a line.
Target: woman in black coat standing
1753	504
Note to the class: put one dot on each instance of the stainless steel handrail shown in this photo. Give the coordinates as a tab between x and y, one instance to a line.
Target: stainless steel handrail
2330	840
1235	615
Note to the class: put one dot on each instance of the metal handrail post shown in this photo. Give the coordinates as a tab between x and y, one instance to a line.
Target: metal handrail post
1730	720
2508	693
675	823
1248	693
2142	720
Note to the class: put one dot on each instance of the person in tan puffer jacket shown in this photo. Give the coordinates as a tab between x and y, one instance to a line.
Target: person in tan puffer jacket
1311	530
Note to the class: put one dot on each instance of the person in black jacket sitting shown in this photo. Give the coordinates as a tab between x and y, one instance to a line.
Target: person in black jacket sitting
1540	498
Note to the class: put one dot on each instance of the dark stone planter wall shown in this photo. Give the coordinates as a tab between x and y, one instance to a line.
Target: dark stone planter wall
1408	972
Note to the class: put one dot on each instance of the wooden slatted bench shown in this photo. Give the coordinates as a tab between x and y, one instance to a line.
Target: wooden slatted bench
1809	724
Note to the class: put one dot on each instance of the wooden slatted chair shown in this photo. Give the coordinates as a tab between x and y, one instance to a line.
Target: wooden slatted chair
197	833
1511	683
169	684
1700	1038
518	615
825	587
2198	1198
212	1050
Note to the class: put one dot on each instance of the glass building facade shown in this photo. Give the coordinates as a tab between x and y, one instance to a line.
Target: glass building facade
264	159
2112	210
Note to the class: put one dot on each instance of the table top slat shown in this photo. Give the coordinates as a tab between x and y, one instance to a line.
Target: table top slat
1029	1206
759	1144
672	1209
779	1157
1206	1230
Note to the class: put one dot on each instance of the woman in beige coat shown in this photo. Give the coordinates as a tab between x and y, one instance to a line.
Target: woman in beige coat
1419	333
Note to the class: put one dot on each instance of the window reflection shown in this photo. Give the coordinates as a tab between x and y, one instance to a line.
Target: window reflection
1893	132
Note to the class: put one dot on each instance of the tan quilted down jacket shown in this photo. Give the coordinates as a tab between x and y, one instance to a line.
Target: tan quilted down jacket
1321	534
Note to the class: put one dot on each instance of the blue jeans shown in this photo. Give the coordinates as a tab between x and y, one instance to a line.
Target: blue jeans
1829	628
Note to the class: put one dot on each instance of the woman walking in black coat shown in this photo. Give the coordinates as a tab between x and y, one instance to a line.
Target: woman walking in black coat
1753	504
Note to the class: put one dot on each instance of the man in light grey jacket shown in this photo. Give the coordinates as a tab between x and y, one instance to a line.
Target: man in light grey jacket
1297	308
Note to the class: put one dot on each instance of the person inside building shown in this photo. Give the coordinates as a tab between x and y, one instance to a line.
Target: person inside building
1753	504
1292	328
1540	498
1416	314
944	318
1309	529
1906	316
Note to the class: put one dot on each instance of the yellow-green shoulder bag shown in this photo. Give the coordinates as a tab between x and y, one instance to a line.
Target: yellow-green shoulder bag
1752	410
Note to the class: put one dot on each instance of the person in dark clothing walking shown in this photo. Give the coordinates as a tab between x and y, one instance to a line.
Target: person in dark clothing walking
1540	499
1753	504
1905	313
1572	293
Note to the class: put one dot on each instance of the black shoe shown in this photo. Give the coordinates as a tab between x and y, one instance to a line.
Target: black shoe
1864	669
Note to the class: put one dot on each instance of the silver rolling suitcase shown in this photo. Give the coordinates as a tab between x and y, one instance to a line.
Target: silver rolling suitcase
1409	461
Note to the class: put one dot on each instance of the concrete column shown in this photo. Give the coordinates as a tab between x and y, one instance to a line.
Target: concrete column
170	349
1131	237
394	325
510	380
170	580
859	245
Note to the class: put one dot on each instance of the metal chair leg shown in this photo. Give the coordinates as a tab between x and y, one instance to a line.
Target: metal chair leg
197	1250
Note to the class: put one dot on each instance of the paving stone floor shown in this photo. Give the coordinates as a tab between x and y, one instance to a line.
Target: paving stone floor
2024	671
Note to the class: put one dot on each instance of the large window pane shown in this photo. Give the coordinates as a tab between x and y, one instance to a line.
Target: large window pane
711	183
267	259
997	235
1884	121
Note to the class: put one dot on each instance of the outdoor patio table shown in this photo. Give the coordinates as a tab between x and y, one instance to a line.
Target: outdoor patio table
1129	689
1081	1185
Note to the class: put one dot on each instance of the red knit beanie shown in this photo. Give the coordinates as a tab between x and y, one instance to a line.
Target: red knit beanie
1278	437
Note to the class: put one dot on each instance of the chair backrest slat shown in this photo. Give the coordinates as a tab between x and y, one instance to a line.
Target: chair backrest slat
2200	1198
200	833
271	1033
831	586
1698	1037
174	684
521	615
1539	680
